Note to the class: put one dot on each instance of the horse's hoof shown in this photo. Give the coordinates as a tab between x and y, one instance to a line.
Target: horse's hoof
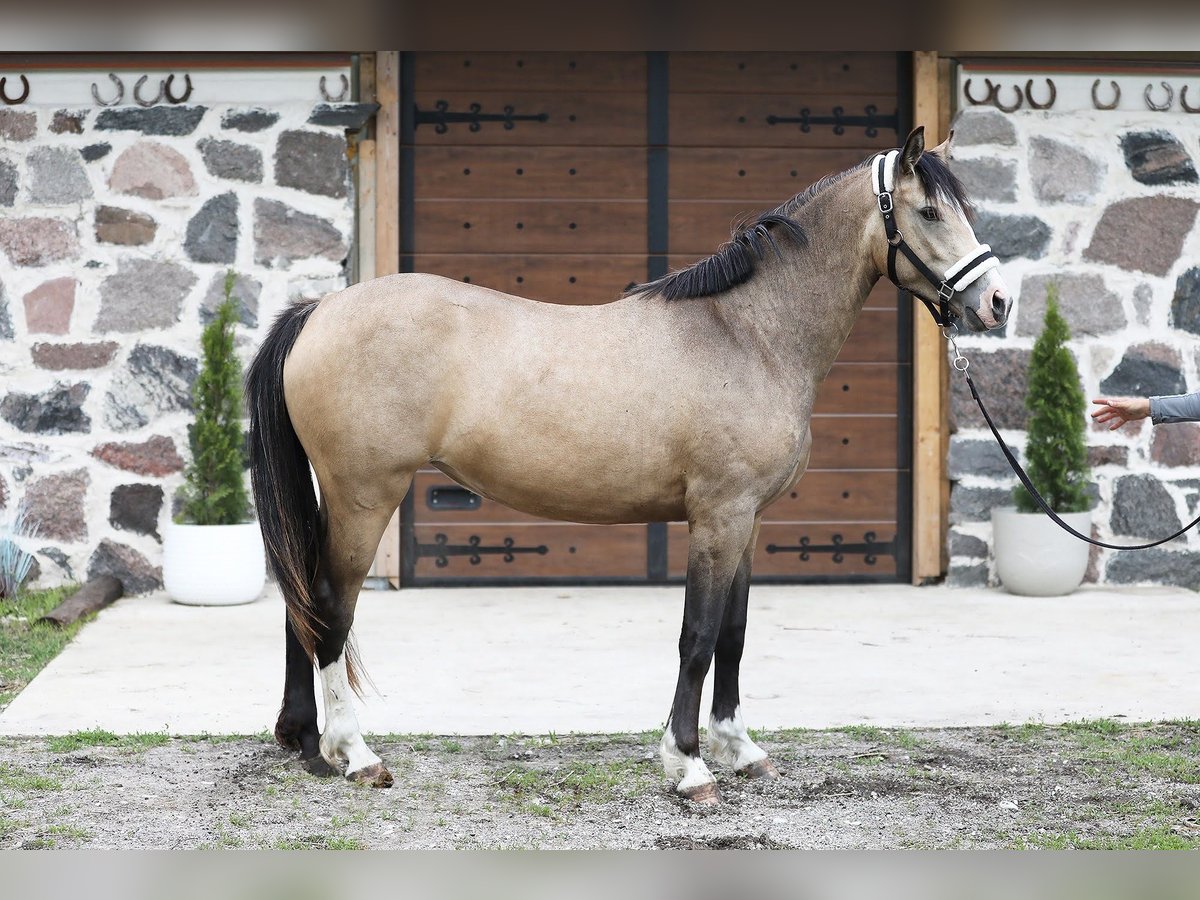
374	775
762	768
319	766
287	735
706	794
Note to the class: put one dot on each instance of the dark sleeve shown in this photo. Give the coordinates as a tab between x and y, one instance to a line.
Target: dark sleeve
1176	408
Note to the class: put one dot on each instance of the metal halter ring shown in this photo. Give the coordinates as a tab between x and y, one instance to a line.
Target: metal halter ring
960	359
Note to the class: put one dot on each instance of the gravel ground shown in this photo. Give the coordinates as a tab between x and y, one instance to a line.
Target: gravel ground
1092	784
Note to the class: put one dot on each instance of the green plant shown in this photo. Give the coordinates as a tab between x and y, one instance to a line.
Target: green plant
214	491
15	563
1055	448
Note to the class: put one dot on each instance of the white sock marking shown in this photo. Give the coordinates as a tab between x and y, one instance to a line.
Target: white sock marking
342	739
730	743
690	770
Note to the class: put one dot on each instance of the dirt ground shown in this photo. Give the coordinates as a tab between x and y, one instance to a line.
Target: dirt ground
1093	784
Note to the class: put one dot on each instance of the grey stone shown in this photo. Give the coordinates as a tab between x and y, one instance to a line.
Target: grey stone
350	116
1142	507
981	457
212	233
961	575
283	234
1111	455
246	291
249	119
1185	305
124	226
143	293
975	504
1143	301
58	357
1145	370
155	381
93	152
164	120
6	326
987	179
58	410
1155	566
1157	157
134	571
1013	236
1002	378
37	241
9	182
56	505
967	545
68	121
1143	234
17	124
1062	173
983	126
312	161
1084	299
229	159
59	558
135	507
1177	444
25	452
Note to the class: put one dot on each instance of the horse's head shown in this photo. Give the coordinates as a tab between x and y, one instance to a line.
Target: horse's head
928	246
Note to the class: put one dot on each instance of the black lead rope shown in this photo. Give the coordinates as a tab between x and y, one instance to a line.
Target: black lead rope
1016	467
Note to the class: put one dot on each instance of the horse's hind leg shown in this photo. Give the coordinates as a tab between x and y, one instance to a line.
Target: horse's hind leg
352	534
728	740
296	727
716	548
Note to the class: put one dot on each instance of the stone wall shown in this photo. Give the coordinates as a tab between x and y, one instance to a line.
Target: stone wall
1103	202
117	226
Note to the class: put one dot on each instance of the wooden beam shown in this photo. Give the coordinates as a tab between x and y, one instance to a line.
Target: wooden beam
386	151
929	369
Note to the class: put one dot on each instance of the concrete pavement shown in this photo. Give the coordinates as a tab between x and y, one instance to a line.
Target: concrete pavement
478	661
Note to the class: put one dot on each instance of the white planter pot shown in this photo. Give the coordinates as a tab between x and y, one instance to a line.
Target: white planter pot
213	565
1034	556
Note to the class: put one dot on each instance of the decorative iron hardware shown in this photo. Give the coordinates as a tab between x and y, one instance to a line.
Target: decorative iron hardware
115	100
1033	103
187	92
445	496
1116	95
870	549
442	118
441	550
995	92
14	101
137	93
1154	106
1183	101
872	121
987	99
345	92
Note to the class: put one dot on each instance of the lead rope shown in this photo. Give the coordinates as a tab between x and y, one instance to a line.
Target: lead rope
961	363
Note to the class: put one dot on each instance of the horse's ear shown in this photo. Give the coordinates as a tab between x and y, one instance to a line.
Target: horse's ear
913	148
943	149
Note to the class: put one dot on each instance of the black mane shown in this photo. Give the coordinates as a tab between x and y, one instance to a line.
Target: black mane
736	260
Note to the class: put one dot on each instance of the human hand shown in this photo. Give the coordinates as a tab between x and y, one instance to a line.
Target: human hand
1119	410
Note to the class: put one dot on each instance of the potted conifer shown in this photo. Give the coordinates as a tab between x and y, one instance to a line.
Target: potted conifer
1034	556
213	553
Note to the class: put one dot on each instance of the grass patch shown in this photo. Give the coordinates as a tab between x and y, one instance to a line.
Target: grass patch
27	645
22	780
578	782
1159	837
318	842
98	737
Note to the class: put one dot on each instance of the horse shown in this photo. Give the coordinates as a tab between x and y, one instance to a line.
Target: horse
687	399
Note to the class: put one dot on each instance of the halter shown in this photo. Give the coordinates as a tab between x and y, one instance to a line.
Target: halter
968	269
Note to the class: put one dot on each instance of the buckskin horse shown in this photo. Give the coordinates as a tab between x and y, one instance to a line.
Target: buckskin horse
687	399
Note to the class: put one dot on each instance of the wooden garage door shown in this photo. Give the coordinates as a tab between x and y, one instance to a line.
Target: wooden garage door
566	177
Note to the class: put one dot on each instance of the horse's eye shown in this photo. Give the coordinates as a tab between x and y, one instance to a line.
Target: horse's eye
930	214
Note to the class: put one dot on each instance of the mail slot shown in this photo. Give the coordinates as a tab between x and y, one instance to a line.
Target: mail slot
451	496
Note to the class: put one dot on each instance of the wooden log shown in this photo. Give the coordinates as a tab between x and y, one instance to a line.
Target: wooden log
98	593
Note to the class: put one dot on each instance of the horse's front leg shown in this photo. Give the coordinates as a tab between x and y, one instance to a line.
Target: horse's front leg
728	740
717	543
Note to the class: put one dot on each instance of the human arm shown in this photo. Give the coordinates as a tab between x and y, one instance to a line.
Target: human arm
1175	408
1116	411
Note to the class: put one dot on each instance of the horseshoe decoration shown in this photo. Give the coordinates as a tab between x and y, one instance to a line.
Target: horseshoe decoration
340	97
137	95
1183	101
1116	95
994	91
13	101
1033	103
1154	106
117	99
988	98
187	92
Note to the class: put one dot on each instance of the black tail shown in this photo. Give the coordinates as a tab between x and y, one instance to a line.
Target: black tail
279	473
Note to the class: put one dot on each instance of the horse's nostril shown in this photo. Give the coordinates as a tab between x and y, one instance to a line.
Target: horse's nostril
999	306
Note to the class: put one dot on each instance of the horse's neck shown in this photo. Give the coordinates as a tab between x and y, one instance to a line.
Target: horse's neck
804	305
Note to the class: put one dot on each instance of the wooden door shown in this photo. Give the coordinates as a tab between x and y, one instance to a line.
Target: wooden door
566	177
